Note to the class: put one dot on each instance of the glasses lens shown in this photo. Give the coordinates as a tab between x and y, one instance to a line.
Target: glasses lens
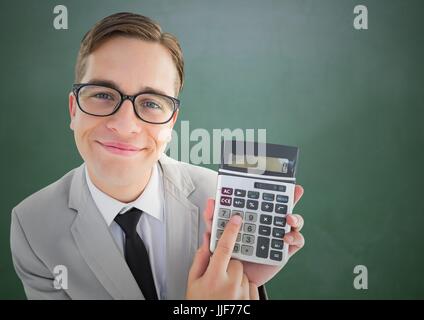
98	100
154	108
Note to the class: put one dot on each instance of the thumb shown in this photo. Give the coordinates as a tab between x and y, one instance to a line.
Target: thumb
200	261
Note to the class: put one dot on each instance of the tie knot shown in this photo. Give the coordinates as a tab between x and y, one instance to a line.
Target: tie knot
128	221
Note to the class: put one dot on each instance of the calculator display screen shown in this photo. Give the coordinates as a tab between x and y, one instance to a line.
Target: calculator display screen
259	158
271	164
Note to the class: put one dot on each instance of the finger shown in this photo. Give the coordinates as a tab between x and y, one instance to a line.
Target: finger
294	238
208	214
298	193
293	250
253	291
200	261
295	221
222	255
245	281
295	241
245	287
235	271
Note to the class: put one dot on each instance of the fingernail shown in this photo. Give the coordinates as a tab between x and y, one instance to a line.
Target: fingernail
236	219
294	219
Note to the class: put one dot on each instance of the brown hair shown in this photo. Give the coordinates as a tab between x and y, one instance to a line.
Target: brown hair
132	25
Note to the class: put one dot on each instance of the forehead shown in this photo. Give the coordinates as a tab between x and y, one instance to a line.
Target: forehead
132	64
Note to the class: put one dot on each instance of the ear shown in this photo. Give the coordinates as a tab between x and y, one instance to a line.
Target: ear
72	109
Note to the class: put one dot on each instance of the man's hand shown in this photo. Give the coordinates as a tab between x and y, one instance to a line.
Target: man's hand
218	276
260	273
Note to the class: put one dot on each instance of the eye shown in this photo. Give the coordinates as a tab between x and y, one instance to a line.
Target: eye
152	105
103	96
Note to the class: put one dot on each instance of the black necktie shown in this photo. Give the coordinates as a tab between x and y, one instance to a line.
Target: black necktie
136	253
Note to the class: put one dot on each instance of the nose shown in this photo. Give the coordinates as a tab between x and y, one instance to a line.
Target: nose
124	121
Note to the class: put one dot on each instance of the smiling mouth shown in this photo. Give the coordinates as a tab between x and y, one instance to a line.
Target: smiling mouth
120	148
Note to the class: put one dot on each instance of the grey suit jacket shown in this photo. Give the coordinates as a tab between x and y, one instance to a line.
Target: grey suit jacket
61	225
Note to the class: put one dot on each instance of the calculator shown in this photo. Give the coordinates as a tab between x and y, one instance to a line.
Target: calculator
256	181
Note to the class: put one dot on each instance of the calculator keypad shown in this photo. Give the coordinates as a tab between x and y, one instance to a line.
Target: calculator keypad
263	247
239	203
240	193
264	220
252	204
249	228
267	206
224	213
253	194
264	230
281	208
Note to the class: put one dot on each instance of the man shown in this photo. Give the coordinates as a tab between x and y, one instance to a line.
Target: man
127	223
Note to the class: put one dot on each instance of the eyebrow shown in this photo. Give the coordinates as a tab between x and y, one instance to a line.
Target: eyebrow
113	84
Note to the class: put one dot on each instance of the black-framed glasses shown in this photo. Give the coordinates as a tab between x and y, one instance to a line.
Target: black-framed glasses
103	101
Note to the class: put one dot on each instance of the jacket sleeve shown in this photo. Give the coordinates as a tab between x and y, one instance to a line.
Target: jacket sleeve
34	274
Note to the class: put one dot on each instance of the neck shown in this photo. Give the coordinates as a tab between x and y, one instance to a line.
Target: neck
122	193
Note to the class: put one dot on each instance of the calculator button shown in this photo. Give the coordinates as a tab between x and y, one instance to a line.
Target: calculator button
239	203
276	244
247	250
219	233
280	208
238	237
266	219
251	217
248	239
252	204
279	221
224	213
264	230
227	191
276	255
237	212
278	232
262	247
222	223
250	228
281	198
253	194
268	196
267	206
225	201
240	193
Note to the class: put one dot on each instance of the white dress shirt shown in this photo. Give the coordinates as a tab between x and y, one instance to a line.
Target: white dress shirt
151	227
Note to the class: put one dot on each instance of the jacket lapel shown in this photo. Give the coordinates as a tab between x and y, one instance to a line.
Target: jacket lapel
97	245
182	224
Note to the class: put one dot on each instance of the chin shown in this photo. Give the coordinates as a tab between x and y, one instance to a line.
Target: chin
125	171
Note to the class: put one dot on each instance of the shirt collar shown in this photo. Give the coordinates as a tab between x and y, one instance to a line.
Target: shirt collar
150	200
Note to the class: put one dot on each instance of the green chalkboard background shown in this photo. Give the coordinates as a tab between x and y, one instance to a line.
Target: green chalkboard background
351	100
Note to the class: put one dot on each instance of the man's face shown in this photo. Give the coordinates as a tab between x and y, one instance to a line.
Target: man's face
132	65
